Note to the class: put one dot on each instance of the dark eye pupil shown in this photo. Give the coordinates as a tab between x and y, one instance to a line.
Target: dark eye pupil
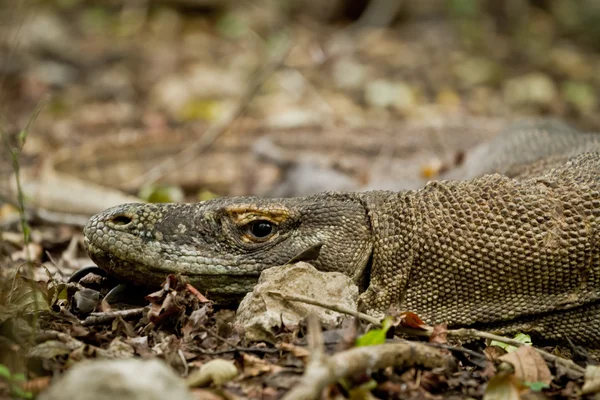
261	229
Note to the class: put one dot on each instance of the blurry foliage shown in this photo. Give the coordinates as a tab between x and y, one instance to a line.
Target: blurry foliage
161	194
14	381
231	26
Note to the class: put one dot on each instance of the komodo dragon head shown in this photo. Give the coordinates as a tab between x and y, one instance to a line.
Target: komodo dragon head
222	245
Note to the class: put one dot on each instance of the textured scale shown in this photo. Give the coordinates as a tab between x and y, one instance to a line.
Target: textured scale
492	249
494	252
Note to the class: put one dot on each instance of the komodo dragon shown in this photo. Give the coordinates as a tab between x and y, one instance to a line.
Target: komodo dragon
493	252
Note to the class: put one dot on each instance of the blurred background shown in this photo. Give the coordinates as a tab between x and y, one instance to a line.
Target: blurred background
172	100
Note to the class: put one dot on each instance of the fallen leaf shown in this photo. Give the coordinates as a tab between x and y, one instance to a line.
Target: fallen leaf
375	336
503	386
529	365
254	366
298	352
411	320
494	352
439	334
217	371
591	380
158	313
195	292
27	296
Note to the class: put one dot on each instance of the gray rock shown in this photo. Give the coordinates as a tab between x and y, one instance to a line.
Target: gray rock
130	379
259	313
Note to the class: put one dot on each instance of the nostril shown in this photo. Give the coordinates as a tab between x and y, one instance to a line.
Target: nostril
121	220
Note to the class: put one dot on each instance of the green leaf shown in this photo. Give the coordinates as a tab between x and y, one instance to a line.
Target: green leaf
502	386
161	194
375	336
520	337
18	392
4	372
536	386
231	26
19	377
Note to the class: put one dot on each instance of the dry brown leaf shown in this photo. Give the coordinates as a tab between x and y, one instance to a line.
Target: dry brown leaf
494	352
439	334
33	252
217	371
195	292
299	352
169	306
529	365
410	320
503	386
254	366
591	380
36	385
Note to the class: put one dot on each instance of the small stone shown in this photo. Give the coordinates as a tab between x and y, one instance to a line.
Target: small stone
259	312
130	379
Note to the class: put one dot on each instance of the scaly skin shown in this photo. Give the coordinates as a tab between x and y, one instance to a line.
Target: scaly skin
494	251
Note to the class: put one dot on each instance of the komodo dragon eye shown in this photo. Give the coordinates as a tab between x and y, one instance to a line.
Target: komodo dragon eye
261	229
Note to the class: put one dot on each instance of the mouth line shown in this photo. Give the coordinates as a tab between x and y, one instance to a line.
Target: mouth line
110	261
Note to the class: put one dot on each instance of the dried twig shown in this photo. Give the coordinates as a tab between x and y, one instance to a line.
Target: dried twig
457	333
330	306
234	347
323	370
100	318
214	131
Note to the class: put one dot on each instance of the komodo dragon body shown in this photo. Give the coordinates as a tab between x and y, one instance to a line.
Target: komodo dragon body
496	252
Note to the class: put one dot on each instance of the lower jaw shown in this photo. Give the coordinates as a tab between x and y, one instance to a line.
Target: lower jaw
223	289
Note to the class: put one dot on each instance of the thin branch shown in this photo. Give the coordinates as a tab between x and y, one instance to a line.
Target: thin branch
360	359
234	347
330	306
101	318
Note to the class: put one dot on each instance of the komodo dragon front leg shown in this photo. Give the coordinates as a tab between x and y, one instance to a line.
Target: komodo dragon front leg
492	251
